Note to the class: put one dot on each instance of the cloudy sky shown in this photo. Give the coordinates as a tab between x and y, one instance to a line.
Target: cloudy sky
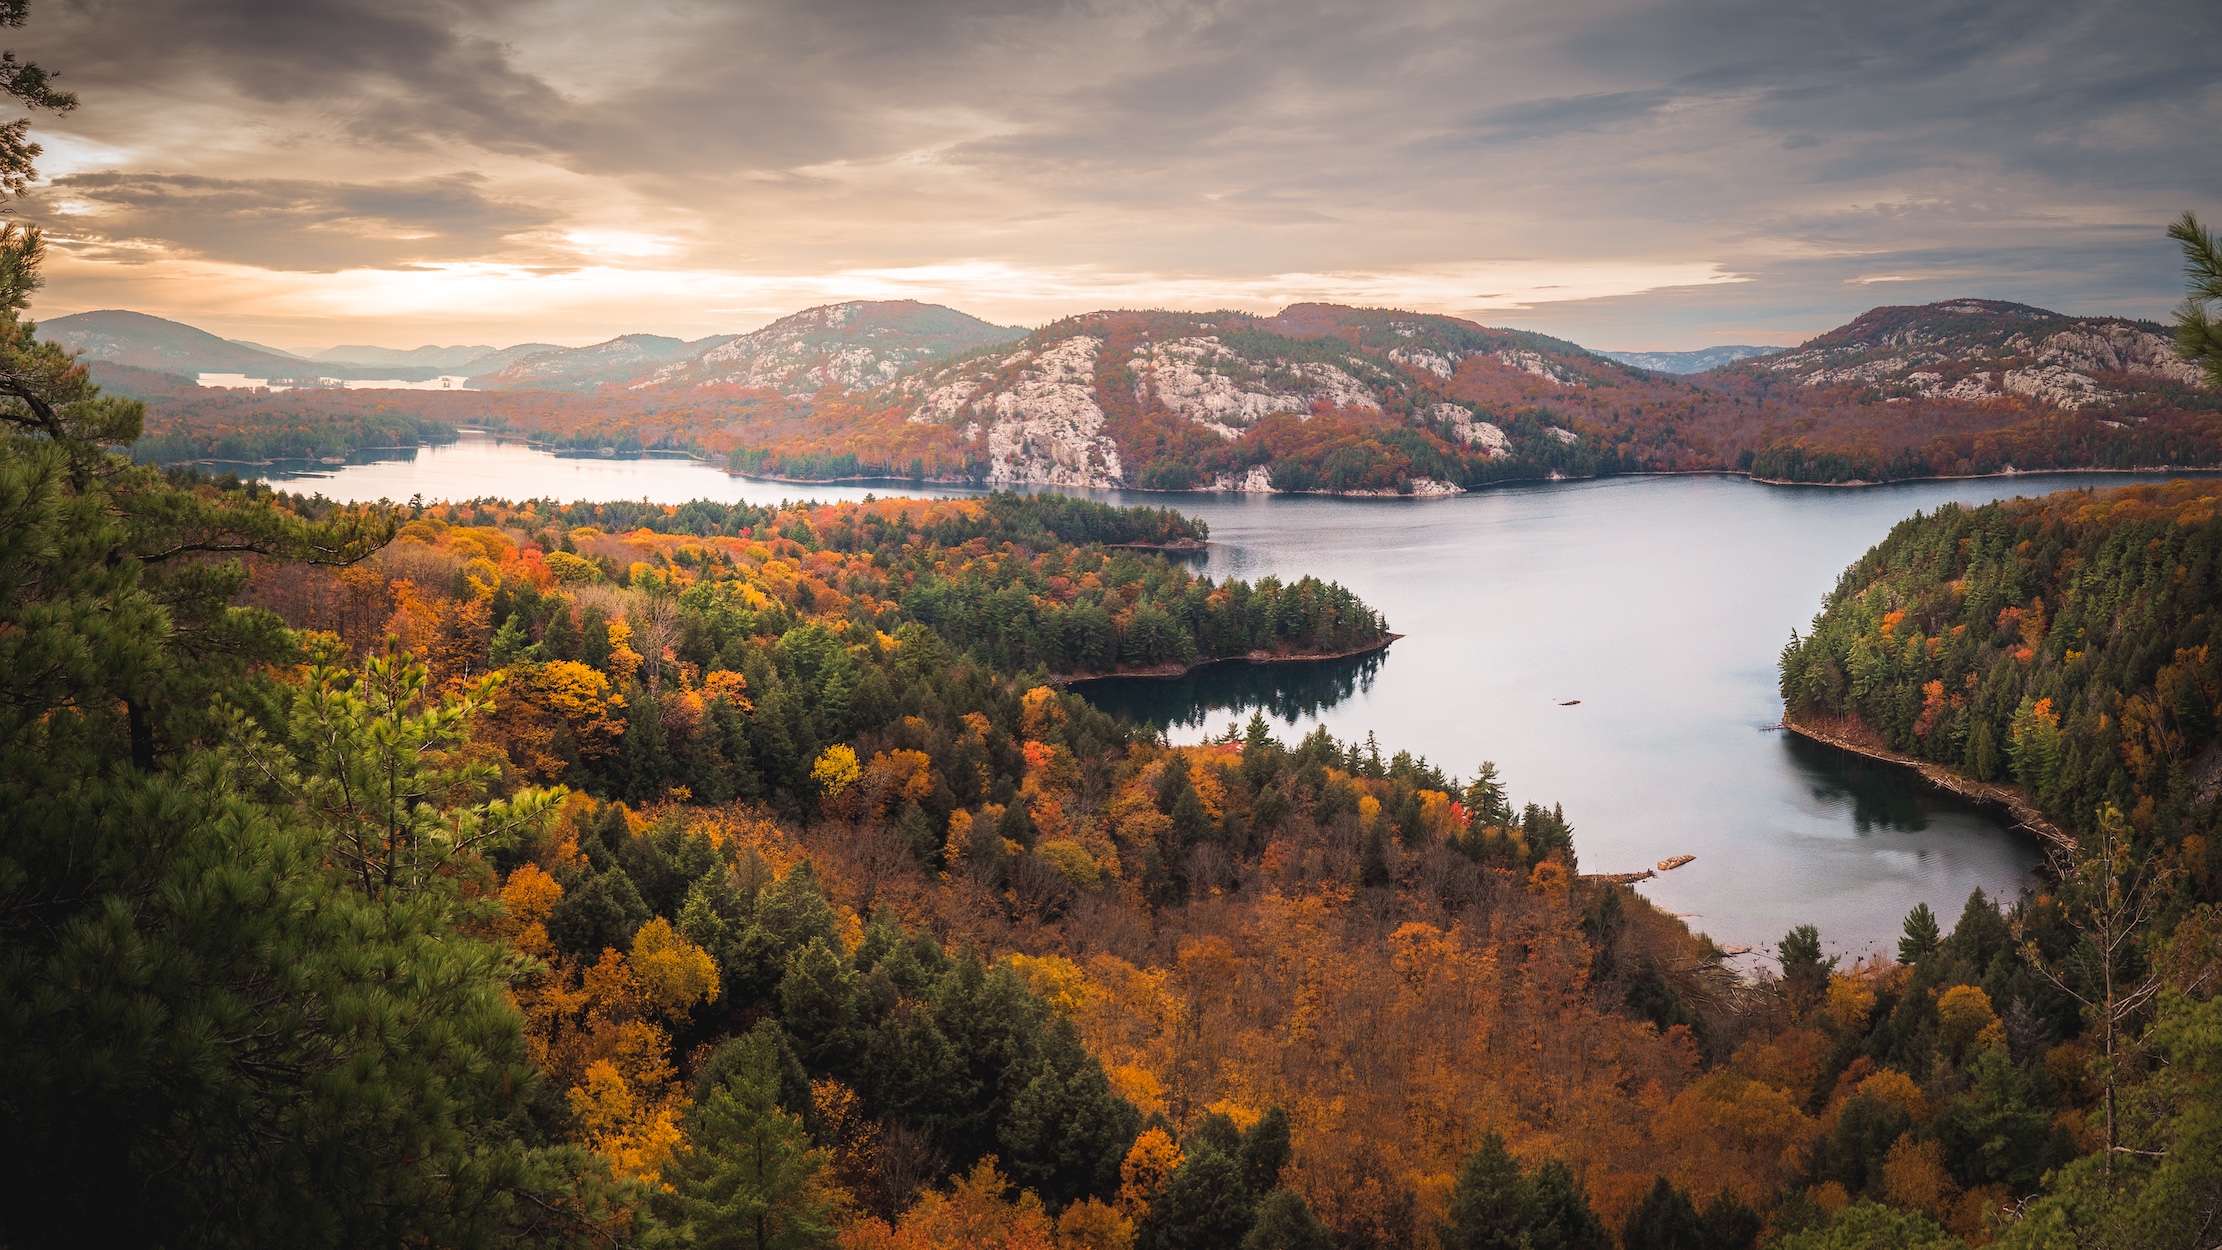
1627	174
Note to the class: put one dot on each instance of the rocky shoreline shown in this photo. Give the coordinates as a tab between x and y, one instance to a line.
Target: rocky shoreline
1849	734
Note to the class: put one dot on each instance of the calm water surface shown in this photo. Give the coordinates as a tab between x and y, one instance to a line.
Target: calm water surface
1659	603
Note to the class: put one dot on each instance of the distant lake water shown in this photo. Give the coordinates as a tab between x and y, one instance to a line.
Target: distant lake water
1659	603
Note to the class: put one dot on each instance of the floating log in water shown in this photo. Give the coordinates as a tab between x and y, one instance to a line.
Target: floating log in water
1673	862
1568	702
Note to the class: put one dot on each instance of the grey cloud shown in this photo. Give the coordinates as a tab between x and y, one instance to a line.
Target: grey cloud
1551	118
1289	134
393	73
290	224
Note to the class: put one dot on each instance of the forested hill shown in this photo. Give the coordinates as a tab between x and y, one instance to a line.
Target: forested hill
2070	645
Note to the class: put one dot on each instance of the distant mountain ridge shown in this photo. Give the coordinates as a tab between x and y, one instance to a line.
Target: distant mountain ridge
1697	361
118	336
138	340
614	362
478	358
1324	397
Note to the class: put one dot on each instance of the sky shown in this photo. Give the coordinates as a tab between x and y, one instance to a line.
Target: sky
1640	176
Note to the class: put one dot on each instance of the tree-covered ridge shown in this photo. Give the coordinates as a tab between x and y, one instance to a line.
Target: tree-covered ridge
2066	644
269	434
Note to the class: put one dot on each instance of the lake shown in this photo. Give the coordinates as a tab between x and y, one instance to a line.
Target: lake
1659	603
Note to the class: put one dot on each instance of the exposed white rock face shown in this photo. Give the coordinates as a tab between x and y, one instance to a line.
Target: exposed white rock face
1045	428
1869	371
1568	437
1441	364
2114	347
1533	362
1200	379
1258	481
2062	388
1486	436
944	402
1973	386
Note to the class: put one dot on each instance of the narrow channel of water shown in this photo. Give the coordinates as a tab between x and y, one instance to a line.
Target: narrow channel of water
1658	603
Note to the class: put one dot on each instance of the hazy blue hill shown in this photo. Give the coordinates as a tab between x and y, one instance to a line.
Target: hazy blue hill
120	337
264	347
429	356
1689	362
617	360
117	336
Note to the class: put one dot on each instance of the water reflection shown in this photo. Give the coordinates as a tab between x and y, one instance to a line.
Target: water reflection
1881	797
1284	692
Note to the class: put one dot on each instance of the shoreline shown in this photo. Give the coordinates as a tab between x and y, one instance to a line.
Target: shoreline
1848	734
971	485
1174	672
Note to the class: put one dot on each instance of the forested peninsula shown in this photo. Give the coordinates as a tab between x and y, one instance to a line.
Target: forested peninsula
2060	654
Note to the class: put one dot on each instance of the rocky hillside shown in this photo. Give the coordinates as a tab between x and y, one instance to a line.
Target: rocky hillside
1318	397
1378	401
1967	386
1979	349
855	346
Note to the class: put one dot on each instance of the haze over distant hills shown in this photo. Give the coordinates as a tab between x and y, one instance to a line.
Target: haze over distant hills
1689	362
137	340
471	359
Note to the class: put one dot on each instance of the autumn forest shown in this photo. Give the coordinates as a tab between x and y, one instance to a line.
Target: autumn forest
501	872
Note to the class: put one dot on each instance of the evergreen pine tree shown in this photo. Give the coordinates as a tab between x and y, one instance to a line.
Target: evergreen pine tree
748	1178
1664	1220
1283	1222
644	760
1921	935
1493	1206
2198	334
1205	1205
1265	1151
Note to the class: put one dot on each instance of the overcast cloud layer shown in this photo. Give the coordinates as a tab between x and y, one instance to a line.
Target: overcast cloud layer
1632	175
